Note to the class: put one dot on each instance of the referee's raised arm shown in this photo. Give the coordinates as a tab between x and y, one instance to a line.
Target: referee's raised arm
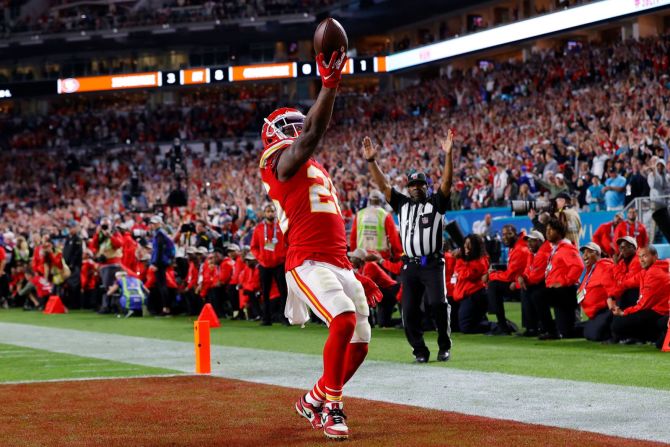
448	172
370	155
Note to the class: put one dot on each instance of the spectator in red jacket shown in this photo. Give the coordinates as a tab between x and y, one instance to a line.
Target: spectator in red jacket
564	267
641	322
226	271
387	285
633	228
470	302
268	247
35	289
210	277
374	229
626	273
193	301
233	251
604	235
250	287
531	282
500	282
89	280
129	247
593	293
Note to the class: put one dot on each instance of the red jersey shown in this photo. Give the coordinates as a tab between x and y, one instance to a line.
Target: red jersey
309	214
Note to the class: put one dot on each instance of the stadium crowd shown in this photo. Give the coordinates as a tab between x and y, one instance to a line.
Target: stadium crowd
61	17
585	128
560	121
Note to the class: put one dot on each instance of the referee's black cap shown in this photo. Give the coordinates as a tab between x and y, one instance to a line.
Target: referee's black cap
416	177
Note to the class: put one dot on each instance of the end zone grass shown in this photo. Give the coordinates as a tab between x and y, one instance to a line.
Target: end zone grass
199	411
564	359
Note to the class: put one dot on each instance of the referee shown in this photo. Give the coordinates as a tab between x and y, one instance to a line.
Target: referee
421	236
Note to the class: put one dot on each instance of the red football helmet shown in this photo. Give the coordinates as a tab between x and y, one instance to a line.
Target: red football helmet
282	124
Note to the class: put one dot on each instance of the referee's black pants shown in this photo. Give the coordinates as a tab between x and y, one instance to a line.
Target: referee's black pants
418	280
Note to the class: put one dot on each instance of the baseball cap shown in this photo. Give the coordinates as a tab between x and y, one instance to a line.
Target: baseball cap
376	194
232	247
120	273
416	177
591	246
127	225
202	251
359	253
249	257
535	235
631	240
191	250
156	219
563	195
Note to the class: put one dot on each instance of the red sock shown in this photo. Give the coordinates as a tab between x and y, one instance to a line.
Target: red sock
335	354
356	353
317	395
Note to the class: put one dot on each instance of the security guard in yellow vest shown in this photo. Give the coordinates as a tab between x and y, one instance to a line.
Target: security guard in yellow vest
374	229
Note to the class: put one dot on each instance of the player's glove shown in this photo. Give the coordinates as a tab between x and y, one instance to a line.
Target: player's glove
331	73
372	292
374	298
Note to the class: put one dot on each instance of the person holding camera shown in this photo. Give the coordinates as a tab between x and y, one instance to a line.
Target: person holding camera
564	211
421	226
107	244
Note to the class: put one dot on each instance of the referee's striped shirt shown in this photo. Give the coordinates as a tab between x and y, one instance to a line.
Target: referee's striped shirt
420	222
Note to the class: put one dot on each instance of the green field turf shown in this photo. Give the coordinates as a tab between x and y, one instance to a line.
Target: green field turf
564	359
25	364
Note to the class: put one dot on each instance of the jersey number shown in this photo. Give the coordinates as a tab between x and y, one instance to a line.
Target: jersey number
322	197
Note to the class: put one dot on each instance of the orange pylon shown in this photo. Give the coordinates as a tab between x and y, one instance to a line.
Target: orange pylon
203	364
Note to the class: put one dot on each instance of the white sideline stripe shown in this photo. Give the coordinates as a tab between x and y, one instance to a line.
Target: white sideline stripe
629	412
88	379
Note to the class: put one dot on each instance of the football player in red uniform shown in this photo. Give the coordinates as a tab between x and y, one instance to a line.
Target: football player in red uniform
318	273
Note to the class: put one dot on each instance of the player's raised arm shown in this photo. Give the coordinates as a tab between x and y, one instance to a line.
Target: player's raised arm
316	121
370	155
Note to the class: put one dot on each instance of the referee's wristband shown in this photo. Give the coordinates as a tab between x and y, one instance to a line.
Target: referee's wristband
370	160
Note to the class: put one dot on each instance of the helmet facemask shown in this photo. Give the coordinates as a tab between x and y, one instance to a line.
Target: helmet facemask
286	126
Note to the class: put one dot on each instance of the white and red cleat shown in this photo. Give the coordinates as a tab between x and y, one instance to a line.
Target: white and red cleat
333	421
310	412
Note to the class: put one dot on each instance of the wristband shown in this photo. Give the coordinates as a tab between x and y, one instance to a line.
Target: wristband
370	160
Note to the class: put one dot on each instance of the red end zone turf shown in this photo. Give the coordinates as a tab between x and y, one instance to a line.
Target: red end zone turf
197	411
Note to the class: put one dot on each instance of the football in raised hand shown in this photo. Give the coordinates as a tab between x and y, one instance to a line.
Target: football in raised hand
330	37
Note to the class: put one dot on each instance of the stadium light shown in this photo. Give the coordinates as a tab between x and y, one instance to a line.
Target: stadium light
527	29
